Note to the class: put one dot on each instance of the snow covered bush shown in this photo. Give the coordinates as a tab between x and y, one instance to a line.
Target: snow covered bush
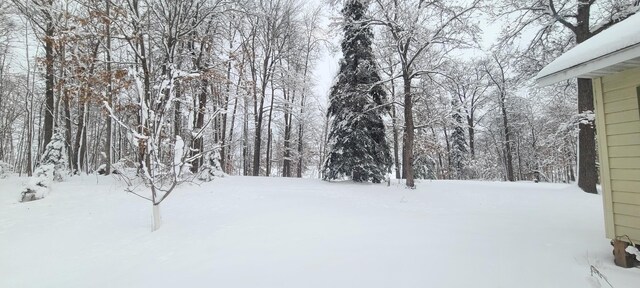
54	159
51	168
211	167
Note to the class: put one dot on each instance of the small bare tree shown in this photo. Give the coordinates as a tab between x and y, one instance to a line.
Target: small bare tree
164	160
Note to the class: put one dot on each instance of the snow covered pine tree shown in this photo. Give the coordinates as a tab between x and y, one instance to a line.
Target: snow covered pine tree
358	147
459	144
51	169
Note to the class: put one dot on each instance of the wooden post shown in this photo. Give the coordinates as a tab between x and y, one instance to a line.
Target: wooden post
622	258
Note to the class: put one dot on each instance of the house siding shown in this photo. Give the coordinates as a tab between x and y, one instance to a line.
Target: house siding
618	122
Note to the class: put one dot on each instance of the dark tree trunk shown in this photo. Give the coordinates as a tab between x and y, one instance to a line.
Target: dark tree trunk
177	115
245	141
587	174
507	140
199	124
257	144
67	124
269	132
300	139
407	151
77	147
286	162
223	140
108	150
228	163
448	146
587	171
49	97
394	124
472	131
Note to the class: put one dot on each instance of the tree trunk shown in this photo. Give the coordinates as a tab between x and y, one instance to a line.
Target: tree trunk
257	146
197	146
29	144
223	149
67	124
177	113
587	171
507	139
300	157
49	75
394	124
472	131
157	219
245	140
407	151
108	150
448	146
269	132
228	167
78	141
286	162
587	174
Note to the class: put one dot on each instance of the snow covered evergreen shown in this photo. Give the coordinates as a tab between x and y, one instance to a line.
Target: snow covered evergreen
358	147
54	158
211	167
51	168
458	145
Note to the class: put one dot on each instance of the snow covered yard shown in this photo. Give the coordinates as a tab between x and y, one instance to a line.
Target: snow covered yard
278	232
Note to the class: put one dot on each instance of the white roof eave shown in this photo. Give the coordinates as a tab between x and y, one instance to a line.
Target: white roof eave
614	62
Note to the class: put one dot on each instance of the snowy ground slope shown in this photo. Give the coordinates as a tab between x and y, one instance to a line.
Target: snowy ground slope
275	232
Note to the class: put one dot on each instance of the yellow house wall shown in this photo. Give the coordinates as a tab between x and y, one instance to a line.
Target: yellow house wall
618	125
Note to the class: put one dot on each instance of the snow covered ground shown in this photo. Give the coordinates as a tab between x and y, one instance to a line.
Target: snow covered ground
276	232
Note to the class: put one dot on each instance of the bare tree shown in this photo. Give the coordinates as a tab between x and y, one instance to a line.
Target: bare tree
420	29
497	72
42	15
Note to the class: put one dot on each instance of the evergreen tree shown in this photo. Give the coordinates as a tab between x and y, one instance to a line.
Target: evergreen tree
51	168
424	167
358	147
54	158
459	145
211	167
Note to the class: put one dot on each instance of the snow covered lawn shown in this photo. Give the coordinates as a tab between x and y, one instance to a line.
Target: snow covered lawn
278	232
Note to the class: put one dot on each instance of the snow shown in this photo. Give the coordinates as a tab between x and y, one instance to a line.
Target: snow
279	232
178	152
634	251
615	39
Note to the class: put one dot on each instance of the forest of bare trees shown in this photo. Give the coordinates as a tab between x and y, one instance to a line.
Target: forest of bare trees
126	81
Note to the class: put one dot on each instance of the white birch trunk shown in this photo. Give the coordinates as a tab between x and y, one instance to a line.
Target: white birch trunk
157	220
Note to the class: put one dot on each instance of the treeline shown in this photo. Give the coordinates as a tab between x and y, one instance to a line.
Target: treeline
234	81
231	78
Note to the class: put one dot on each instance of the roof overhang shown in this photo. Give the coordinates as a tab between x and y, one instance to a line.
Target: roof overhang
617	61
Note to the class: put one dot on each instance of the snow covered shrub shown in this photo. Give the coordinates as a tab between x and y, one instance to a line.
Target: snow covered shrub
51	168
211	167
54	159
5	169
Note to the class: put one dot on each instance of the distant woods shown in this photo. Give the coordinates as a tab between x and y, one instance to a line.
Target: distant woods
235	80
231	78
